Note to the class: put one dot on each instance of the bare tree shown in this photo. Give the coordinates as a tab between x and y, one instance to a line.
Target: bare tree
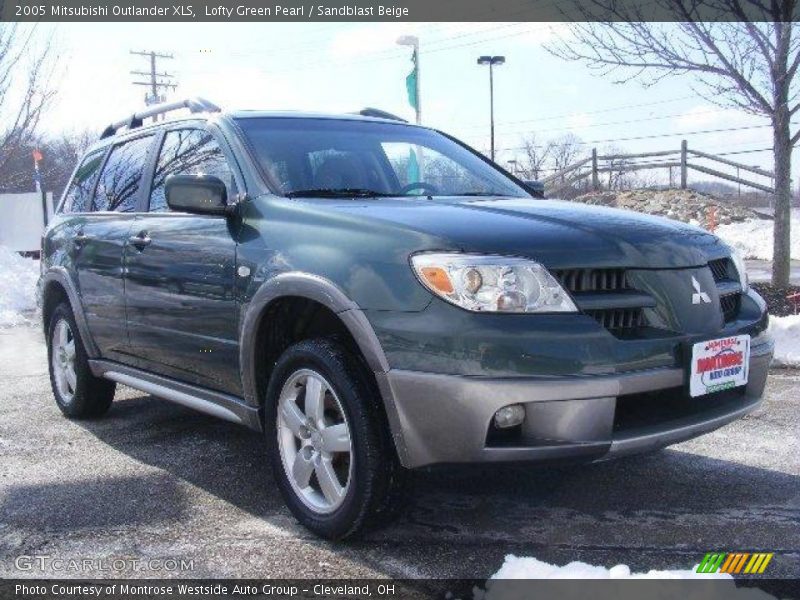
748	58
26	69
534	157
61	154
565	150
618	177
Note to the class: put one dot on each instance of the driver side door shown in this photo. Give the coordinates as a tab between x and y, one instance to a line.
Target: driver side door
181	269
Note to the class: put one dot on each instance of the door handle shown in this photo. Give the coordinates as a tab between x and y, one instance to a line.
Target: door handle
140	241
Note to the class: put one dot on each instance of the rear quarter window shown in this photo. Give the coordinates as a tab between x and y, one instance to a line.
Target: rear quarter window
118	187
79	193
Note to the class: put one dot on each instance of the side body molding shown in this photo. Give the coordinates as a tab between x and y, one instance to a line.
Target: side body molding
61	275
325	292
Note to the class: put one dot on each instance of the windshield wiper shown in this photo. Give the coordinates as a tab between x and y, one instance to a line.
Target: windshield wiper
336	193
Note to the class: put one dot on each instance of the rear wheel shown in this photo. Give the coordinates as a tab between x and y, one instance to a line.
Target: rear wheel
329	447
78	393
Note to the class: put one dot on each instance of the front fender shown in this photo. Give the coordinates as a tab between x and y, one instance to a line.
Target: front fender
312	287
318	289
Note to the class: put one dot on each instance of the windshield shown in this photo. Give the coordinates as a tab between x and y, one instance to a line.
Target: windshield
339	158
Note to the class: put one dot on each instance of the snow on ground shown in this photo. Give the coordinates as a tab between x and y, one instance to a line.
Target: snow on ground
786	333
753	238
527	567
503	585
18	277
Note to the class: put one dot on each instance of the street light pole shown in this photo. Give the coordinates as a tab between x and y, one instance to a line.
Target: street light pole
491	61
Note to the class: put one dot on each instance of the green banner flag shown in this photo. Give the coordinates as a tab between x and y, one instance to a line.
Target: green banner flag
411	84
413	167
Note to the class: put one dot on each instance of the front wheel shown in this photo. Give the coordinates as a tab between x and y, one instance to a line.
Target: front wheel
329	447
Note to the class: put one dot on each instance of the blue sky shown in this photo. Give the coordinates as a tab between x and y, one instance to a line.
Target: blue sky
342	67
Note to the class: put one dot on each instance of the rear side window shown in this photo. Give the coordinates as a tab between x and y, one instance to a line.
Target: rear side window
188	152
122	176
78	196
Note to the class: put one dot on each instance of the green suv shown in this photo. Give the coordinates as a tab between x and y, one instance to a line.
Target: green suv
376	297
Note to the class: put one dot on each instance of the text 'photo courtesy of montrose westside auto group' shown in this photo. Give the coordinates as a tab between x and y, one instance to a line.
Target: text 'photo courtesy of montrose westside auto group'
447	300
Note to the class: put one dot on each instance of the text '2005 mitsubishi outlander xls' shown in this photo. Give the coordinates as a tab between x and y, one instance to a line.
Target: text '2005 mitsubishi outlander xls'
376	297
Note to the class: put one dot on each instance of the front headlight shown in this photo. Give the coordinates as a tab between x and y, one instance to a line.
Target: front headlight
741	269
492	283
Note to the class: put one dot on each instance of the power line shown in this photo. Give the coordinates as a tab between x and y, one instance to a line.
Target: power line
396	54
156	81
657	136
592	112
607	124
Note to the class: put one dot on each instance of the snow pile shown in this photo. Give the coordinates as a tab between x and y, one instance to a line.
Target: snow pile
753	238
738	226
527	567
504	584
18	277
786	333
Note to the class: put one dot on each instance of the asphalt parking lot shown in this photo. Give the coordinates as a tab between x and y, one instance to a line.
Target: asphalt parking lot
157	481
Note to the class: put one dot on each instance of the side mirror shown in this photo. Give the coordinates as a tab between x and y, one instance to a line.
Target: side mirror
536	188
196	194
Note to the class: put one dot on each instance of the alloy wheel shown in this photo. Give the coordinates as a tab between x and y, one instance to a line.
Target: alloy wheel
62	358
314	441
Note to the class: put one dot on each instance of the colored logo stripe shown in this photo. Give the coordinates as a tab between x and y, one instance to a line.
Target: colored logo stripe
734	562
758	563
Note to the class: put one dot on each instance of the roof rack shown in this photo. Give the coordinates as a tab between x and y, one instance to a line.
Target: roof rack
136	119
380	114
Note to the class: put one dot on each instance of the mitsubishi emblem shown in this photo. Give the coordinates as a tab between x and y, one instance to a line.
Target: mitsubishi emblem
699	296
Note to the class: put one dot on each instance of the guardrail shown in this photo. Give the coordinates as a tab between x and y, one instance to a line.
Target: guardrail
671	159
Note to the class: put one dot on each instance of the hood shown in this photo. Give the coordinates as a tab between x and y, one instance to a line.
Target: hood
555	233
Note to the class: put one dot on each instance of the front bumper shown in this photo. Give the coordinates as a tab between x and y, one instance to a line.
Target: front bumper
448	418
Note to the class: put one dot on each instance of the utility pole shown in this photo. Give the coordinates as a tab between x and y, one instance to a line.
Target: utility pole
156	80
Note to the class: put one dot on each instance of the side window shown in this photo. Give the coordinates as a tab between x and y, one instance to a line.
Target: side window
188	152
78	196
121	176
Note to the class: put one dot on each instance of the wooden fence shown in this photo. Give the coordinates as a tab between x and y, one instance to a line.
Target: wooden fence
593	166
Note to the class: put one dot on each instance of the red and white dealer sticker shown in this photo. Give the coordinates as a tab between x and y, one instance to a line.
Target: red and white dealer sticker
719	364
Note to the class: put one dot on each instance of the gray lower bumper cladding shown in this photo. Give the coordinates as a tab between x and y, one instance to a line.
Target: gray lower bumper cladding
447	418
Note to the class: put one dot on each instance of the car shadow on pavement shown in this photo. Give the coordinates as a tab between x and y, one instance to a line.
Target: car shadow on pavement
222	458
670	499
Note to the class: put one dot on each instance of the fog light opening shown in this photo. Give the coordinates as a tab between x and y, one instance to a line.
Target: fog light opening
509	416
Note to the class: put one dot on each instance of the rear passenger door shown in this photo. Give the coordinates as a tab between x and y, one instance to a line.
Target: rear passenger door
99	238
182	312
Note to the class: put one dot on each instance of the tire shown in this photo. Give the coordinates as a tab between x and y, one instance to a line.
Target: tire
78	393
371	481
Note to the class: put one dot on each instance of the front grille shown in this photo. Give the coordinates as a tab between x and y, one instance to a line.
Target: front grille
577	281
617	319
609	285
612	297
722	269
730	306
724	272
